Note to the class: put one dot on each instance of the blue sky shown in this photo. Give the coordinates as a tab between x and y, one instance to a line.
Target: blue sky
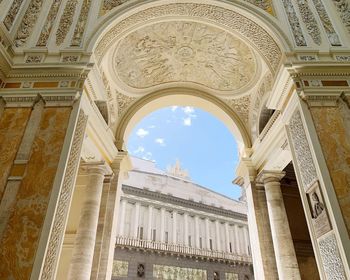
201	142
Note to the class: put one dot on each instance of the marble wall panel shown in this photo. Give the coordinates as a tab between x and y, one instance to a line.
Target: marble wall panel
20	240
333	130
12	126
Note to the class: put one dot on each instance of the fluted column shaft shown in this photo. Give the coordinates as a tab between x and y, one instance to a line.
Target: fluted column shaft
186	229
196	223
136	220
287	265
149	224
122	217
82	256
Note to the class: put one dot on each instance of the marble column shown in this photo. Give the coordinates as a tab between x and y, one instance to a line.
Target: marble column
207	237
246	240
287	265
186	229
174	226
227	238
196	237
149	223
217	235
136	219
237	241
162	224
82	256
122	217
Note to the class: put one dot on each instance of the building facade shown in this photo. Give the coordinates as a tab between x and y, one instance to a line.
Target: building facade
77	75
175	229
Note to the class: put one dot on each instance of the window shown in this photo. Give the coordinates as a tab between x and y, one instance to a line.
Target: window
140	270
230	247
216	275
154	235
166	237
140	232
189	241
211	244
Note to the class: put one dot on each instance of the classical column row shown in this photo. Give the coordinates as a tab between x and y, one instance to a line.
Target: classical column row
236	237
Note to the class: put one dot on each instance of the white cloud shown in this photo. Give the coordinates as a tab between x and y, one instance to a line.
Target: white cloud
160	141
187	121
139	150
173	108
147	156
152	126
142	132
188	110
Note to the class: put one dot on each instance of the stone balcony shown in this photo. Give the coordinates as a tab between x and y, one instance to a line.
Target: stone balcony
182	250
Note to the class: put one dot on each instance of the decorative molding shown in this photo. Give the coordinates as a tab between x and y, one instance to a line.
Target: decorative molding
327	23
183	202
309	21
66	21
12	13
124	102
81	23
66	192
20	101
344	58
302	151
321	100
30	17
308	57
108	5
294	23
343	8
46	30
230	19
70	58
332	262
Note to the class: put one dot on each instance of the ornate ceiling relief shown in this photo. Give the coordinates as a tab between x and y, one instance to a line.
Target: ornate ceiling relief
66	21
310	21
108	5
80	27
230	19
343	8
327	24
45	32
28	21
12	13
184	52
294	23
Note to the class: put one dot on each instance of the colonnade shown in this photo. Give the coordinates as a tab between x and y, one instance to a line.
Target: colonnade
236	237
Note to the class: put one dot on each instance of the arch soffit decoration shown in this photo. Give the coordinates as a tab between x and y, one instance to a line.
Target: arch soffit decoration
260	29
181	96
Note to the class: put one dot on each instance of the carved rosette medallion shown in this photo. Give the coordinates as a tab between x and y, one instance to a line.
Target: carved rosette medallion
180	51
302	151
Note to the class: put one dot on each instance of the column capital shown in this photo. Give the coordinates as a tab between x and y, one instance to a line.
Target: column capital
95	168
267	176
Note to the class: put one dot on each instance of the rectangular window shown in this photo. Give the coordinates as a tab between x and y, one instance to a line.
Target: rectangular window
200	242
211	244
140	232
166	238
189	241
154	235
230	247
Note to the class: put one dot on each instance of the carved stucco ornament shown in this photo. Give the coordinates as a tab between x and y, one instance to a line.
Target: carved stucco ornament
184	51
240	106
343	8
46	30
124	102
28	21
309	21
231	20
66	21
81	24
12	13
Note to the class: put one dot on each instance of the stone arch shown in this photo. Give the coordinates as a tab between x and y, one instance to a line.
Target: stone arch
182	96
257	27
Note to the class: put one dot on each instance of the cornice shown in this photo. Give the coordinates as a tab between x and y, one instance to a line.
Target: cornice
183	202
